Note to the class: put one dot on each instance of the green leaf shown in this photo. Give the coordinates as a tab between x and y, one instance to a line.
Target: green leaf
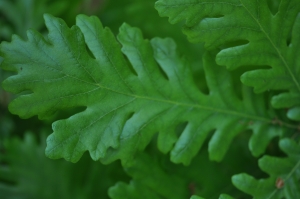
18	16
131	191
128	99
196	197
248	34
154	173
223	196
284	175
149	181
116	12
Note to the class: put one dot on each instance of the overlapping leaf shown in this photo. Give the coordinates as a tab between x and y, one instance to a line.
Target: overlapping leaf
19	15
154	176
271	40
284	175
149	181
135	191
127	99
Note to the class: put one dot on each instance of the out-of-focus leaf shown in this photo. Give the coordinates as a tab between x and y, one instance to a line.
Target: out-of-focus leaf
155	176
25	173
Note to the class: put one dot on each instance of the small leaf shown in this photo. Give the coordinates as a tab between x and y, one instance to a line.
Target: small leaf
284	175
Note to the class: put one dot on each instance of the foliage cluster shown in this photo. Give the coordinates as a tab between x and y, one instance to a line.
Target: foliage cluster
144	112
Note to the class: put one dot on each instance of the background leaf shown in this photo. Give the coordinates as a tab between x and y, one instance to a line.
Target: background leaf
223	196
284	175
17	16
154	175
247	33
25	172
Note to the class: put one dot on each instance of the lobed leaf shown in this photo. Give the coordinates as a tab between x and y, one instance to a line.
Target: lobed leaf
129	95
284	175
249	35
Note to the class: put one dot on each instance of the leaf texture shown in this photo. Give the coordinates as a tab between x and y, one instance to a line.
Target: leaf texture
129	95
249	35
284	175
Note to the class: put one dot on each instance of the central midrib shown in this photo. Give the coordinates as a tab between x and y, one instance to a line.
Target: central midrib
229	112
276	49
198	106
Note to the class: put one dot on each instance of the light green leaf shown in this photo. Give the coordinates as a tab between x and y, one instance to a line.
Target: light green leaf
284	175
248	34
128	99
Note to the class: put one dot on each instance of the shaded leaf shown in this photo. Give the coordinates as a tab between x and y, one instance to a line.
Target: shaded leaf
223	196
25	173
284	175
154	173
17	16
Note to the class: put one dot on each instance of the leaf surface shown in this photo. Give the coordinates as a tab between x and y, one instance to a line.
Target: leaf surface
129	94
249	35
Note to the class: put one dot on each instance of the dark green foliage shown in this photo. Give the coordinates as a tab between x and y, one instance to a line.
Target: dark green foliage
25	172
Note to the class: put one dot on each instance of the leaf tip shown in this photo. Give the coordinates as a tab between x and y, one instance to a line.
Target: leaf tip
48	17
83	17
